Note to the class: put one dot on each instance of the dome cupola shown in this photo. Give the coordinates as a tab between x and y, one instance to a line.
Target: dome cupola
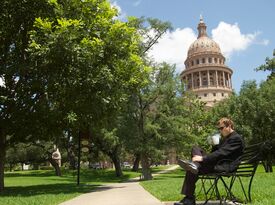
203	43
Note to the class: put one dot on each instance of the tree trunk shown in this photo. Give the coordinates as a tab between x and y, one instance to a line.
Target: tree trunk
146	171
136	163
56	166
2	158
71	153
35	166
268	164
116	162
71	157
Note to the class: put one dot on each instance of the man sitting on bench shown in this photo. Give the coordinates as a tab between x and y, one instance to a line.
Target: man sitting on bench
228	151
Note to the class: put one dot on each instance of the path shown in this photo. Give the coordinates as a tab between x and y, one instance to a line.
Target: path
127	193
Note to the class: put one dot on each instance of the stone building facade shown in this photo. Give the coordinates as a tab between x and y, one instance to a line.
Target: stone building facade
205	71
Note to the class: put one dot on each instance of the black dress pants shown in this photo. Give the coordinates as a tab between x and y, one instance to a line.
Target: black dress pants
189	184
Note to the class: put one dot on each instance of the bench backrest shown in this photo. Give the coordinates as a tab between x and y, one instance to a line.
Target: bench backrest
250	160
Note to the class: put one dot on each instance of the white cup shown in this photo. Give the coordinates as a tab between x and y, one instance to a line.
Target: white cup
214	139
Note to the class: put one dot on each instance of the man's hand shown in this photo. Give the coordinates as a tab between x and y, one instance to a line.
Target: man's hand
197	158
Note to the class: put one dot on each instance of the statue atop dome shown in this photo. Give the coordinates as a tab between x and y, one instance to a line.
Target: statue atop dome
202	28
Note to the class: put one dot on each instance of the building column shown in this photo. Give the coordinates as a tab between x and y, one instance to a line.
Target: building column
192	78
208	78
223	79
217	82
228	77
200	79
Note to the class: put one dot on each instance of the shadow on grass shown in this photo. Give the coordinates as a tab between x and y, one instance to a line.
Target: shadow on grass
87	176
103	176
174	174
44	173
25	191
170	177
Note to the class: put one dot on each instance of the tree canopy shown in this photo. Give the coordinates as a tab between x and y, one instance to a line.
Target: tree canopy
66	64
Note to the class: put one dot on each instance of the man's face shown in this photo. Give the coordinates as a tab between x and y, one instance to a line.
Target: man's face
225	131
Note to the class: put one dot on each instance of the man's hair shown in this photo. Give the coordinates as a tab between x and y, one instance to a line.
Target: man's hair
227	122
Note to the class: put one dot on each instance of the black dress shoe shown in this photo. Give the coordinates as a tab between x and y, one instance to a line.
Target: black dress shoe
188	166
180	202
186	201
189	201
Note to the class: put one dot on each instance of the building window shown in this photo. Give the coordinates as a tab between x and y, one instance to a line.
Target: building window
198	61
204	82
215	60
203	60
209	60
214	94
222	94
192	63
205	94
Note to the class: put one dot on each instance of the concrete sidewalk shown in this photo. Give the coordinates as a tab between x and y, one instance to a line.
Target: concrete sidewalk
127	193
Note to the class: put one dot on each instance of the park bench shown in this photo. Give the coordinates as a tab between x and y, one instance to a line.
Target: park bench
247	167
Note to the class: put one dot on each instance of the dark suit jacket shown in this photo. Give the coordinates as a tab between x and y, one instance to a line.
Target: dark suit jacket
226	153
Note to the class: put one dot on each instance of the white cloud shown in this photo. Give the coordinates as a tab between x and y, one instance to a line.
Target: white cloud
137	3
231	40
121	15
173	46
115	4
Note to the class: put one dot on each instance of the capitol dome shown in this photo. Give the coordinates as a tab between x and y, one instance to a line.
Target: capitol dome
203	44
206	74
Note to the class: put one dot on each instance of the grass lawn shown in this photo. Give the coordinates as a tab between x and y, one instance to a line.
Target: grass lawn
43	188
167	187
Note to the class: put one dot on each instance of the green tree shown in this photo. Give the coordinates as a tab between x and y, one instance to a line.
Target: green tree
16	20
269	65
108	137
25	153
242	109
68	67
156	118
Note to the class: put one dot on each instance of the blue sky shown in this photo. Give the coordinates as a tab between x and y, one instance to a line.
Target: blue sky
244	29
